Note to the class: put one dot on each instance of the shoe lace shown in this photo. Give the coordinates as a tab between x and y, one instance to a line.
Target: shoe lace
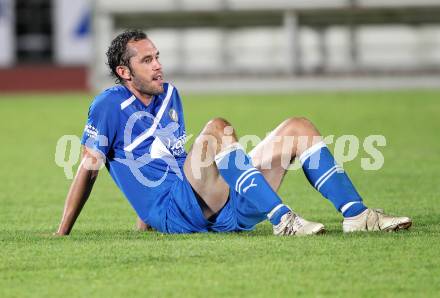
294	225
298	221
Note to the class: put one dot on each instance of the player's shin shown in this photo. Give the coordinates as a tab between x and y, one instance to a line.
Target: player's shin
330	180
236	168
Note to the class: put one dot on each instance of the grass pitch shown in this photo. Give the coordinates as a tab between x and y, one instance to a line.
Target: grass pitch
105	257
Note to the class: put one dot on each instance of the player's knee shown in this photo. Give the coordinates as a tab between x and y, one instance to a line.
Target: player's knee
298	126
217	126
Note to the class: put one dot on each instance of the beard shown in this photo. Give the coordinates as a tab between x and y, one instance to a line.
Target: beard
150	88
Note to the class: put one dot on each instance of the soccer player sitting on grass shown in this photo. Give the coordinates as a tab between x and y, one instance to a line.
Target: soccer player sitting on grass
137	130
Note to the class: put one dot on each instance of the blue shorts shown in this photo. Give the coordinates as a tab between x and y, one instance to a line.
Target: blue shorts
184	213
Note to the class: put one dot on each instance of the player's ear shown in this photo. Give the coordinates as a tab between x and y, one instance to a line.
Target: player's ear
123	72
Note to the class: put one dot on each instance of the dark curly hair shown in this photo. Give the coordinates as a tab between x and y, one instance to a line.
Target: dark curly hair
117	53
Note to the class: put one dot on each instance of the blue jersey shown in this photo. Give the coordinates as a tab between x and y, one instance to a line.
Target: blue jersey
143	146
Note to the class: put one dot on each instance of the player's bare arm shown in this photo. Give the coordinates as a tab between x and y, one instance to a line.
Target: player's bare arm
80	190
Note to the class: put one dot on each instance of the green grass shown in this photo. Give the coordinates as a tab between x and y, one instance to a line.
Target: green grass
105	257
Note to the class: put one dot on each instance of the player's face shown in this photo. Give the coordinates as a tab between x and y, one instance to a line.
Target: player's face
145	68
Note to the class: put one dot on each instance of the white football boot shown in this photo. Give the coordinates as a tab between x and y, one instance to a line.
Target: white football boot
292	224
375	220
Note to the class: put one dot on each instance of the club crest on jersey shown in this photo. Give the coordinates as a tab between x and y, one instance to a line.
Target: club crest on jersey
173	115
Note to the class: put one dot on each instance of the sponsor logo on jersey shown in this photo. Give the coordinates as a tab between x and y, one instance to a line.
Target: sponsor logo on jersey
177	145
91	131
173	115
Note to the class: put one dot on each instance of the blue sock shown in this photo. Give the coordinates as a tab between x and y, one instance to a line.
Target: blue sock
330	180
236	168
352	209
276	213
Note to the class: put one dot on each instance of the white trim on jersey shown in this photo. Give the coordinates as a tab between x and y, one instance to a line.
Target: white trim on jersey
128	102
152	129
158	149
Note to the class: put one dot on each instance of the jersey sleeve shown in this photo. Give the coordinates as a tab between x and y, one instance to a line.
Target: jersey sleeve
101	127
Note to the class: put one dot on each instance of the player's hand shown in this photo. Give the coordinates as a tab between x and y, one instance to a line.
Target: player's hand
142	227
59	234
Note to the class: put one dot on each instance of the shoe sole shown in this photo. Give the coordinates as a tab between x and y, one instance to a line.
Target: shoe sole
401	226
395	228
318	232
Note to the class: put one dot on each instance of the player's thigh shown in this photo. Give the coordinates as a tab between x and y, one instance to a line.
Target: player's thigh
203	175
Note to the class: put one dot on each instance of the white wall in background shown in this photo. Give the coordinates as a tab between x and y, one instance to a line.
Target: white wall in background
263	50
399	47
392	47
